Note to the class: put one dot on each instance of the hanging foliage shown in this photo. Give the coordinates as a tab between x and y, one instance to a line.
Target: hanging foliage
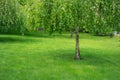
11	19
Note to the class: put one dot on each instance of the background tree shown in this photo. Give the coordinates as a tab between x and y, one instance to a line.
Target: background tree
11	19
103	17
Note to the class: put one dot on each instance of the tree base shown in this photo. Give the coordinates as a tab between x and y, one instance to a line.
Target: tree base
77	58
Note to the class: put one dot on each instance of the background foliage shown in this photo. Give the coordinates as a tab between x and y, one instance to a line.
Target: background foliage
100	17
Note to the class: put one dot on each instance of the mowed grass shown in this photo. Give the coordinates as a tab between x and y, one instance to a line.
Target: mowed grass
43	57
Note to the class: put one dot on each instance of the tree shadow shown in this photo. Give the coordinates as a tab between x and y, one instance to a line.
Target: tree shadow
65	36
15	39
89	57
47	35
63	55
92	37
38	35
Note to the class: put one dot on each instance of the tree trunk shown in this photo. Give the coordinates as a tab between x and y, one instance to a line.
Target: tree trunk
77	53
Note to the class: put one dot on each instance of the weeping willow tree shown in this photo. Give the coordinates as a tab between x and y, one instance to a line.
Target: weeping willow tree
95	16
11	19
61	15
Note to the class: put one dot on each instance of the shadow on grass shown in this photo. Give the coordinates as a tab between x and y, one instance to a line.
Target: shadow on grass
38	34
63	55
15	39
92	37
47	35
65	36
89	57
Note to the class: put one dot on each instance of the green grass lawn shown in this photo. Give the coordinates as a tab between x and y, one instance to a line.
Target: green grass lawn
43	57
